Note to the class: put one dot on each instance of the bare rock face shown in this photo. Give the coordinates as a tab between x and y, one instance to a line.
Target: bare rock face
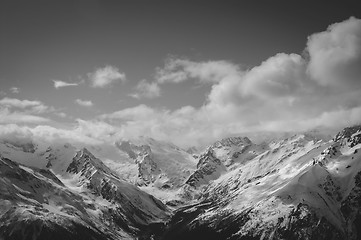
208	168
350	136
351	209
147	168
232	141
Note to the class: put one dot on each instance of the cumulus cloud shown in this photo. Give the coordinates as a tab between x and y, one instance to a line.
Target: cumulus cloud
103	77
15	90
146	89
280	75
335	54
285	92
59	84
84	103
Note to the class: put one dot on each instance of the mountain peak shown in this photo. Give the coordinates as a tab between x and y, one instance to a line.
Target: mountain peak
85	152
232	141
350	136
348	132
85	162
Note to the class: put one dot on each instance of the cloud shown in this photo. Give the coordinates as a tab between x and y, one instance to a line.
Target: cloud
14	90
14	110
335	54
178	126
97	130
334	119
103	77
17	117
61	114
140	112
13	102
84	103
59	84
28	105
15	134
286	92
280	75
73	135
179	70
145	89
82	134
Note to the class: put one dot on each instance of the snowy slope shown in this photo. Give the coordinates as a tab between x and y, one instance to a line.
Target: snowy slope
301	188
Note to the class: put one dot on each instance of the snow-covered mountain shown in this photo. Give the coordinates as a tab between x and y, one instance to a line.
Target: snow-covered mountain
223	156
162	167
57	156
78	197
300	188
131	205
35	204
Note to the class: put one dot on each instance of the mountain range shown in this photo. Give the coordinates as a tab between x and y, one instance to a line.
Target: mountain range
290	186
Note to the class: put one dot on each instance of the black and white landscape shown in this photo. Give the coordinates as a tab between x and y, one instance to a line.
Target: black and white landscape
180	120
299	186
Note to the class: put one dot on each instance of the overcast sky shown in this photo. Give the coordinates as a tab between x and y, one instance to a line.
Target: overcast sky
186	71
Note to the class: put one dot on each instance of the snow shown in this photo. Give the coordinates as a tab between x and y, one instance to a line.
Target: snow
56	209
163	195
271	179
300	169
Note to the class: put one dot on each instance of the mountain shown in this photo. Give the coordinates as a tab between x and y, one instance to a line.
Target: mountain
162	167
35	204
221	157
56	157
129	204
75	198
209	167
302	187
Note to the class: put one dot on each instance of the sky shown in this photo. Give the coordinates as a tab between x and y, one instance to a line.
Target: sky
189	72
